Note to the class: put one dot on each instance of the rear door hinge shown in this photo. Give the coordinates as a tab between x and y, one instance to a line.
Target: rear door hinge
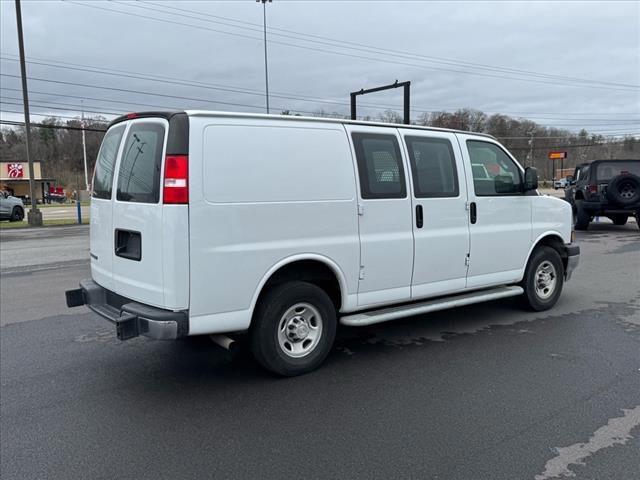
361	276
467	260
360	209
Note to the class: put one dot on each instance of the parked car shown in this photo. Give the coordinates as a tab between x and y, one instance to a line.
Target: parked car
11	208
607	188
279	227
562	183
55	194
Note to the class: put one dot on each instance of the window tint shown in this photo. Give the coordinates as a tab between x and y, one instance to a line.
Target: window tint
106	162
379	166
433	166
494	173
139	173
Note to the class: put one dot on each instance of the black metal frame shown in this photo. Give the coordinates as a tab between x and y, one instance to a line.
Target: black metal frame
396	84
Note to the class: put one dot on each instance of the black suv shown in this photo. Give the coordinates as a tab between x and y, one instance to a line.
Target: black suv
608	188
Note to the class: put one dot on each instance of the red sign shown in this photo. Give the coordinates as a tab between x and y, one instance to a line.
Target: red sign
557	155
15	170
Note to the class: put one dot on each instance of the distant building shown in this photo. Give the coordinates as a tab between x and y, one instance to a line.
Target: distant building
14	178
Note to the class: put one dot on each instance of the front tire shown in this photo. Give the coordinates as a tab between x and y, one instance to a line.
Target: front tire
293	329
582	217
543	279
17	214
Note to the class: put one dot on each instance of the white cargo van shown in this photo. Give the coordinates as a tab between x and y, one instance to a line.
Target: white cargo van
279	227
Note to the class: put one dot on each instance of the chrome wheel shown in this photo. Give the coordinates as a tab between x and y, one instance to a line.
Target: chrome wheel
299	330
546	279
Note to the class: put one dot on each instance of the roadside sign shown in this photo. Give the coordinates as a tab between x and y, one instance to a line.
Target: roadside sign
557	155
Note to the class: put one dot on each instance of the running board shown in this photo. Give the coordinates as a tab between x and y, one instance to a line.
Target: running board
393	313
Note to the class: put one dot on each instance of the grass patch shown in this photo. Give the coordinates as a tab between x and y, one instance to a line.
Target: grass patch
46	223
86	203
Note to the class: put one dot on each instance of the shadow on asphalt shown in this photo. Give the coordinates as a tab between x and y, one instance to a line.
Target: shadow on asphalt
607	227
197	362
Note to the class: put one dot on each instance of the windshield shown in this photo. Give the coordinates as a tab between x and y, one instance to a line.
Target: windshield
607	170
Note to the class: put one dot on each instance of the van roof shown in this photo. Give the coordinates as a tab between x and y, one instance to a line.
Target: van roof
213	113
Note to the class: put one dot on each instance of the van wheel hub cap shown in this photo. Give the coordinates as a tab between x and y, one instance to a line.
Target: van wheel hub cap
299	330
545	280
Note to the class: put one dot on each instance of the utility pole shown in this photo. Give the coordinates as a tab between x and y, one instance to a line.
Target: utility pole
34	216
84	148
531	133
266	69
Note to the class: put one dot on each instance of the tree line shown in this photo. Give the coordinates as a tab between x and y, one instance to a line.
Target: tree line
58	146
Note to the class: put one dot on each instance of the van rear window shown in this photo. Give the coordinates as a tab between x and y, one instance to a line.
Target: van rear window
139	173
106	163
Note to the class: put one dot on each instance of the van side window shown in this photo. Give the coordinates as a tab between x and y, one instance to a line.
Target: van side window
379	166
433	166
106	163
494	173
139	173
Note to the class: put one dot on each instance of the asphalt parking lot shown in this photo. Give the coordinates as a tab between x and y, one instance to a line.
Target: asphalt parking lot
481	392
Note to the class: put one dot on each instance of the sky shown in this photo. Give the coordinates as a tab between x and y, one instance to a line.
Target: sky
570	64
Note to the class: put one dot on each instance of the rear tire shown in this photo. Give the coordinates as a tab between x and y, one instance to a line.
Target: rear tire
293	328
582	217
543	279
17	214
619	219
624	190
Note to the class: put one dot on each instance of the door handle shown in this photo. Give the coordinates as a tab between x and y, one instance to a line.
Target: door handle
419	216
473	214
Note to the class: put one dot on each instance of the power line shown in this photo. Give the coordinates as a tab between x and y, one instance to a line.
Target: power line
121	73
57	127
140	92
64	109
599	122
56	94
173	22
369	48
341	42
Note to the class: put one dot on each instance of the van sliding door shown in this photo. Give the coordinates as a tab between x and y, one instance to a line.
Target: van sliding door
384	216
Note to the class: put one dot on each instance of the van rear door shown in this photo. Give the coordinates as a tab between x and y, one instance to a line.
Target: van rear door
101	237
137	213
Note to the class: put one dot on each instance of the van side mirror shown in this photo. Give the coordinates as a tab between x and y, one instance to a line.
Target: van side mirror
530	179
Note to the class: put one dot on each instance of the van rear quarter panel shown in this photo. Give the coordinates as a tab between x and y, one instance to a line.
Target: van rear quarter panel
261	192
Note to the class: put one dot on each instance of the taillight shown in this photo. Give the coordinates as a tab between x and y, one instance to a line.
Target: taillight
593	188
176	179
